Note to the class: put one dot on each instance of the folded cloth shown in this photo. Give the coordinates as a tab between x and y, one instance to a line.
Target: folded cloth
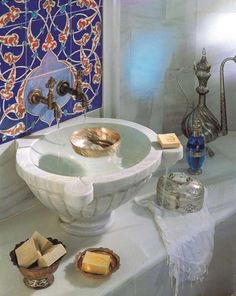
188	239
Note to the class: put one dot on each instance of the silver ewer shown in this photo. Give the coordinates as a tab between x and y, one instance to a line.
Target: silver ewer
211	127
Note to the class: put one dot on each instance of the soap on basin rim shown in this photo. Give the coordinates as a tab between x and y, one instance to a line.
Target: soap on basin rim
168	140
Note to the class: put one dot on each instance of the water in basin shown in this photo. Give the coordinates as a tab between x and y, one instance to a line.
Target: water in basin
53	152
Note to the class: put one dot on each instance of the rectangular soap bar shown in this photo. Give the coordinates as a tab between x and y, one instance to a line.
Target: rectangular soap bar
51	255
42	242
168	140
27	253
96	263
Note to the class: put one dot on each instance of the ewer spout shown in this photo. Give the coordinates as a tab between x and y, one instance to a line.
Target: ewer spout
223	111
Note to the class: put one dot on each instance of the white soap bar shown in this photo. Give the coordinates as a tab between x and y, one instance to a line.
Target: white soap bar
42	242
168	140
27	253
51	255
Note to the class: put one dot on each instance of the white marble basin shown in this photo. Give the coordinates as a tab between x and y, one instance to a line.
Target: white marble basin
84	191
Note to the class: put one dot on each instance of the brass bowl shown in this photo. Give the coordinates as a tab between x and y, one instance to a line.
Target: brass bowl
114	265
95	141
37	277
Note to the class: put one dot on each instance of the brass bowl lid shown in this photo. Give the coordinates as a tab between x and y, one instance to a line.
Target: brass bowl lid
95	141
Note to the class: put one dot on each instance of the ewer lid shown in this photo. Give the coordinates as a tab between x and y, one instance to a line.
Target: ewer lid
180	192
202	71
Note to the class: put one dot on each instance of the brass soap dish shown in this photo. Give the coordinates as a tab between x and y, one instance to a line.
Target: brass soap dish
114	265
95	141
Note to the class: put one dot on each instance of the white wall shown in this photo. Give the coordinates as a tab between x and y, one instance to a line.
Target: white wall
160	40
157	41
216	30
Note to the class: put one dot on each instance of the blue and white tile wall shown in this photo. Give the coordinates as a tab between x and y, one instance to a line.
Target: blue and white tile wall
40	39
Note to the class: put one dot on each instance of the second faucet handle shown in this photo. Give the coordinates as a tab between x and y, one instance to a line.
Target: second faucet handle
51	83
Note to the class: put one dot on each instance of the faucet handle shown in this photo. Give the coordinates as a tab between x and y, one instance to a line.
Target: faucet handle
51	83
84	101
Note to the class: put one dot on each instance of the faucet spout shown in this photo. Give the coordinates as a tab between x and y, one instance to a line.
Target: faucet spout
51	96
57	111
84	100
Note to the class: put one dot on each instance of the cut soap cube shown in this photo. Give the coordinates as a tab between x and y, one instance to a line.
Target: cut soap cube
43	242
96	263
27	253
51	255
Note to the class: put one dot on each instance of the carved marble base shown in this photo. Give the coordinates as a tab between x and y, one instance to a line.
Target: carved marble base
88	227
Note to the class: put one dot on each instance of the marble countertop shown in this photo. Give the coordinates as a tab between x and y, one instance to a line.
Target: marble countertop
133	236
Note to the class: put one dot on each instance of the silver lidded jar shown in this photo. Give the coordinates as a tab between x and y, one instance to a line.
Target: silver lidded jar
180	192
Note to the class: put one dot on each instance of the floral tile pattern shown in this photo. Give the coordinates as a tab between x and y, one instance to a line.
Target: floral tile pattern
12	52
86	37
36	9
12	12
40	39
12	114
80	5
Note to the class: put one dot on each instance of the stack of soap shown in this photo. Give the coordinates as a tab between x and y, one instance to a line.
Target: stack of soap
96	263
40	249
168	140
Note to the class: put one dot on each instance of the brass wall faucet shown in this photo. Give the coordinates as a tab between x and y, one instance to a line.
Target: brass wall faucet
35	97
64	88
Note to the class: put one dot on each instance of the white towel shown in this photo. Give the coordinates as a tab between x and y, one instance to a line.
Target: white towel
188	239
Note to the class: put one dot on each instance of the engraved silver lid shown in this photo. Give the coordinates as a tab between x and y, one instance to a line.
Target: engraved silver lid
180	192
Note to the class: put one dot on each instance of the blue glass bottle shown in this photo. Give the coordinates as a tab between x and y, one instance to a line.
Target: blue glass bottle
196	149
